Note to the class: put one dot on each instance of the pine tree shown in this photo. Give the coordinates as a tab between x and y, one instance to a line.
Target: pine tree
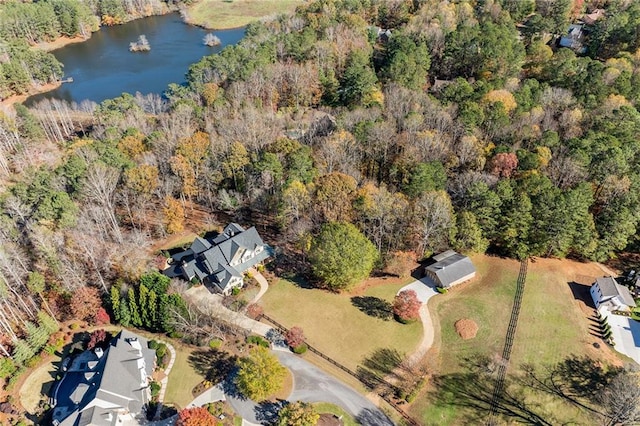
115	303
134	308
124	314
143	304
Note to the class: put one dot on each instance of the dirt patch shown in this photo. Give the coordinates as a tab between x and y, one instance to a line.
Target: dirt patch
375	282
466	328
328	419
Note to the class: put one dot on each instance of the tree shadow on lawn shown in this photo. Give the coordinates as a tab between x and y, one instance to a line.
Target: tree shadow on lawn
213	365
373	306
577	380
474	389
380	364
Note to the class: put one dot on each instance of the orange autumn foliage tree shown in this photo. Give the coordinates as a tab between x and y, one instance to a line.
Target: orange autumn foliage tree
173	215
196	416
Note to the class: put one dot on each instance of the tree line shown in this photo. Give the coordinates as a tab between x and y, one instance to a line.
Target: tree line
463	129
25	24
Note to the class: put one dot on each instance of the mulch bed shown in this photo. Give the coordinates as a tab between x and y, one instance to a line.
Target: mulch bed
466	328
327	419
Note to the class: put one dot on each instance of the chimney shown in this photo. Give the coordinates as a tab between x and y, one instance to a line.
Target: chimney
98	351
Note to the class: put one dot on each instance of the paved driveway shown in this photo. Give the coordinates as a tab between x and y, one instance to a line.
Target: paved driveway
626	335
310	385
425	289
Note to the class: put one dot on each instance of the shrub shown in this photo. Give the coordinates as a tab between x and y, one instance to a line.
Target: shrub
153	345
33	361
300	349
442	290
155	389
176	335
215	343
235	291
161	350
74	326
258	341
294	337
102	317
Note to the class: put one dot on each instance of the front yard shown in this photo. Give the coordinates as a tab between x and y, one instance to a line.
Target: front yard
335	326
553	326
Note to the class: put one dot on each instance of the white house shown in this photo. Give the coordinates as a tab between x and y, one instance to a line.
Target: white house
220	263
607	293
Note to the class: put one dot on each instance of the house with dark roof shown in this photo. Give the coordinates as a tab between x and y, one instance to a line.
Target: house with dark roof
607	293
106	387
574	38
220	263
450	268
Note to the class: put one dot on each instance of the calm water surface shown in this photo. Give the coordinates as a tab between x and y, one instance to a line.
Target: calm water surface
103	68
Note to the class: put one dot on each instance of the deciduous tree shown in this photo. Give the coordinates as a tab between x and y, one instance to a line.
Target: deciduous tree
341	255
298	414
406	306
294	337
260	374
84	303
195	416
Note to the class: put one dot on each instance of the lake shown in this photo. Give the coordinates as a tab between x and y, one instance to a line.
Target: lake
103	67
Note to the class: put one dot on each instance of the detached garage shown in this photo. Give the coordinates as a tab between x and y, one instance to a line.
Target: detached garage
450	269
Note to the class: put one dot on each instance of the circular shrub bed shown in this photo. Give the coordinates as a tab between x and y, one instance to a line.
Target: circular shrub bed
466	328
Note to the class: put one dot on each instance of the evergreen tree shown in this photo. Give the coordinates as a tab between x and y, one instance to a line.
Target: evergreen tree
134	308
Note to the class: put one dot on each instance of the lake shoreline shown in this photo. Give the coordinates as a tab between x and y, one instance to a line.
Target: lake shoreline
61	42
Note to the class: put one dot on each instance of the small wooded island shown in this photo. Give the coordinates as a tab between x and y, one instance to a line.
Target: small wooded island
142	45
211	40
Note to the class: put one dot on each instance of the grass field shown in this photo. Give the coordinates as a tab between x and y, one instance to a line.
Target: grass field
38	385
552	326
337	328
182	379
224	14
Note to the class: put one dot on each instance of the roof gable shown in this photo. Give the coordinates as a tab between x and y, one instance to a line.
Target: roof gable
451	268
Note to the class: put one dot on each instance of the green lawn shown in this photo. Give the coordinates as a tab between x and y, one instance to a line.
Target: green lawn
551	327
182	378
223	14
334	326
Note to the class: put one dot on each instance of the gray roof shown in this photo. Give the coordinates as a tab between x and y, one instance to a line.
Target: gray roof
452	268
199	245
211	261
442	256
609	287
117	381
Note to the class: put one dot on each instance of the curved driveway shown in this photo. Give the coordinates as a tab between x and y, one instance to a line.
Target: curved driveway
310	385
425	289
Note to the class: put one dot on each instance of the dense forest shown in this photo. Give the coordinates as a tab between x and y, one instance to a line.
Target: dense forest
25	24
464	126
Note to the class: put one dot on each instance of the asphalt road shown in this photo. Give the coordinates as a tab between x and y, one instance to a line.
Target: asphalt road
310	385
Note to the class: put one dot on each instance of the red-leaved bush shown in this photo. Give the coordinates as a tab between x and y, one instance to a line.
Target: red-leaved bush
196	416
294	337
406	306
102	317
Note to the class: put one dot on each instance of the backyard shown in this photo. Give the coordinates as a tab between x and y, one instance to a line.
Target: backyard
553	326
335	326
224	14
182	378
